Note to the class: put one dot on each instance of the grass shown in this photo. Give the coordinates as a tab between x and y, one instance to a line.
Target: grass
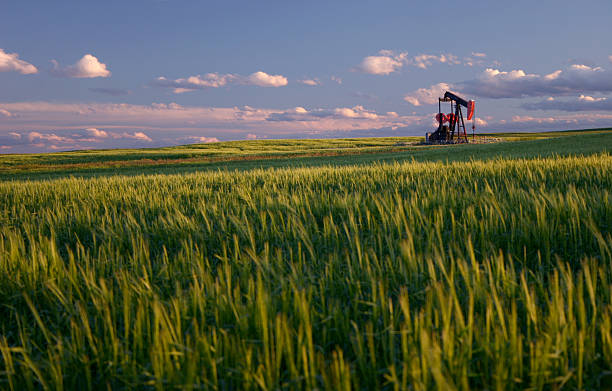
293	153
335	273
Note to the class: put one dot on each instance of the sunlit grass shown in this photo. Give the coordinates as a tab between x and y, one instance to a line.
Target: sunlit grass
480	275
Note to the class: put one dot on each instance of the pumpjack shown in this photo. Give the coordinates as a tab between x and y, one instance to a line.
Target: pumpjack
454	132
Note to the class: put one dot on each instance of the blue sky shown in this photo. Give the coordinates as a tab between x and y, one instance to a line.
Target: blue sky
85	74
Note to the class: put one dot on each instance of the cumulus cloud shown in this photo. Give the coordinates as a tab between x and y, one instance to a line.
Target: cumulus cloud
568	120
11	62
388	61
381	65
262	79
354	112
295	114
5	113
120	120
528	118
478	121
301	114
64	139
427	95
424	61
198	82
110	91
578	78
582	103
101	134
36	136
217	80
251	136
477	58
581	79
310	82
97	133
136	136
587	98
39	126
87	67
200	139
167	106
336	79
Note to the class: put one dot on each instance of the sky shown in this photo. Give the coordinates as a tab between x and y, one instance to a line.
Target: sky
148	73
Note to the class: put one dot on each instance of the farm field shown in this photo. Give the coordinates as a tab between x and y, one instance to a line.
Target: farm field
243	155
369	264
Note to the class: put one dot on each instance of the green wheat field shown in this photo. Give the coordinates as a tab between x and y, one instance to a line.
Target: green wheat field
371	264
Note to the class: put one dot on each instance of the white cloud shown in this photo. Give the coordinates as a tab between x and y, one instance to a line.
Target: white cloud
355	112
120	120
251	136
36	136
5	113
200	139
380	65
69	126
388	62
97	133
476	58
572	119
136	136
336	79
582	103
141	136
554	75
87	67
424	61
290	115
576	79
167	106
341	115
587	98
198	82
216	80
610	58
262	79
310	82
531	123
527	118
427	95
11	62
582	67
64	139
479	121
